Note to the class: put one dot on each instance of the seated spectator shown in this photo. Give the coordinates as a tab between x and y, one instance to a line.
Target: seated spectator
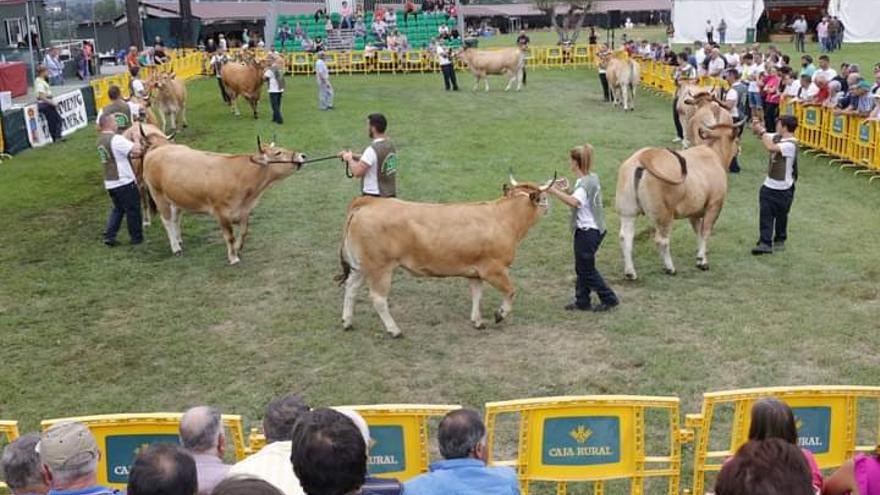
391	41
201	433
772	418
163	469
306	44
860	475
238	485
443	31
390	18
409	9
320	13
69	455
318	45
347	16
328	26
298	32
765	467
159	56
379	28
284	34
272	462
372	485
20	466
462	440
330	455
55	67
402	43
360	30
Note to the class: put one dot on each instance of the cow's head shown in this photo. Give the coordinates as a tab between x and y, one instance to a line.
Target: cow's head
537	194
150	137
701	99
276	159
724	137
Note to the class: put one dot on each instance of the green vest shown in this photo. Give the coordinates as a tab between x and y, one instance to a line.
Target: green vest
386	167
105	154
279	77
121	112
776	168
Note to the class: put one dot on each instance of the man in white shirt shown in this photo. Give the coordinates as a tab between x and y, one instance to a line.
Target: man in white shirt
325	89
377	167
825	69
710	32
114	152
732	57
735	101
275	76
699	53
777	192
716	64
217	61
444	58
272	463
125	112
800	32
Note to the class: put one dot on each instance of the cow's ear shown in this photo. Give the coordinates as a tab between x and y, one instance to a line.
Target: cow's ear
688	101
535	197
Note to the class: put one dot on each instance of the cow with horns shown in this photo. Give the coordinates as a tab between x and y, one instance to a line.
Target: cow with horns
477	241
223	185
168	96
666	185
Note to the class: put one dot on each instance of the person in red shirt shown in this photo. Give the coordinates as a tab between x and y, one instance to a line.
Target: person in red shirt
770	93
131	60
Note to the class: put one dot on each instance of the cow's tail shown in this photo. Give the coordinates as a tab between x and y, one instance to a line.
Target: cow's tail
344	247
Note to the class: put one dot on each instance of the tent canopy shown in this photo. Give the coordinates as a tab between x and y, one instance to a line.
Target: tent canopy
859	19
689	18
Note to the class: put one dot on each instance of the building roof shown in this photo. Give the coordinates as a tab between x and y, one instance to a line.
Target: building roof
529	9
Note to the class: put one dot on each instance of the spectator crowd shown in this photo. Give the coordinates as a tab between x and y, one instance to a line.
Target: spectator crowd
325	451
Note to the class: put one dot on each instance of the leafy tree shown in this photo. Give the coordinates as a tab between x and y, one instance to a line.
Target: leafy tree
572	20
107	10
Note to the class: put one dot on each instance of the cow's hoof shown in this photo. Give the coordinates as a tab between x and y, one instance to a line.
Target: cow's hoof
630	276
703	266
396	335
185	126
347	327
178	252
480	326
235	261
669	271
499	316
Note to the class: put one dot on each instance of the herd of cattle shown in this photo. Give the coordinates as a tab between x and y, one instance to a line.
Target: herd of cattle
476	241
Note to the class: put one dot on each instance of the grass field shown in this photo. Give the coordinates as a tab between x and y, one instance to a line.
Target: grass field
86	329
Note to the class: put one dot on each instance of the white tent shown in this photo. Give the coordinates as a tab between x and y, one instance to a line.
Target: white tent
689	18
859	18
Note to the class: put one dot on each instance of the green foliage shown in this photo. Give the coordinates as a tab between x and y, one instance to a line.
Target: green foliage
107	10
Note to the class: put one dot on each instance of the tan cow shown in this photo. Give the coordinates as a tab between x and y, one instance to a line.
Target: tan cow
244	79
687	95
482	63
476	241
707	112
225	186
623	77
168	96
136	134
666	185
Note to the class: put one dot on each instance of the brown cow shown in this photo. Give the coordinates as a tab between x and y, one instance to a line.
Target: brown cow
623	77
245	79
666	185
168	95
690	97
136	134
476	241
707	111
482	63
225	186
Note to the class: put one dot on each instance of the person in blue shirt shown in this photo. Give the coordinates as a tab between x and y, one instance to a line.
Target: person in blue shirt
69	455
462	439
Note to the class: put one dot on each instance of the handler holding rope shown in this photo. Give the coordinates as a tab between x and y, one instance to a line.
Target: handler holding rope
377	166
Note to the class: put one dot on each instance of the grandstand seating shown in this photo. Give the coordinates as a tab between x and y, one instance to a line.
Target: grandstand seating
419	30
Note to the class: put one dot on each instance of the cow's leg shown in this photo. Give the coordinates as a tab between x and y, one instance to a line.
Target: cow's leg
176	217
476	294
173	115
380	286
183	117
476	82
627	233
510	80
352	284
162	117
519	78
254	102
661	237
229	236
486	80
233	102
165	214
624	95
145	203
703	236
499	278
242	232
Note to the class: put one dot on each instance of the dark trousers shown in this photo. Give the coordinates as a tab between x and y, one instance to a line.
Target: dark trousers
771	113
449	77
406	15
586	243
799	42
223	90
734	163
126	203
524	75
275	101
774	208
50	113
679	130
710	37
606	91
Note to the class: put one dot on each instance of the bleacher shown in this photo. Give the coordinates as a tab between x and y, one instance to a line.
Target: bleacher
597	439
419	30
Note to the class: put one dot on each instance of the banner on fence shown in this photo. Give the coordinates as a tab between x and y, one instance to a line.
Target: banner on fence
71	107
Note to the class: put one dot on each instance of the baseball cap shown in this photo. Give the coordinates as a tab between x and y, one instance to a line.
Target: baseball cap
67	446
865	85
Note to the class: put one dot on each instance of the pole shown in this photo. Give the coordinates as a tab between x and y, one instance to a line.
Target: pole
95	41
460	16
27	14
133	19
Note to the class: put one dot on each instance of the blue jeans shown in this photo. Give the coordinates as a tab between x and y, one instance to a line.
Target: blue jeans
126	203
586	243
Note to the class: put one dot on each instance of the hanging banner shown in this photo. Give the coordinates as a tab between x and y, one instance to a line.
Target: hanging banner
71	107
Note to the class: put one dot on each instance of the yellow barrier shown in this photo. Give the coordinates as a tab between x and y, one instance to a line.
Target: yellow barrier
588	439
185	67
863	143
400	440
827	420
835	133
8	429
121	436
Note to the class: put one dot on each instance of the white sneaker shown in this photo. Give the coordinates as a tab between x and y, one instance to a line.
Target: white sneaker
676	140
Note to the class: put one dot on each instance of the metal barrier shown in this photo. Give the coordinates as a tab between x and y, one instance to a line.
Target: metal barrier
827	419
8	429
121	436
588	439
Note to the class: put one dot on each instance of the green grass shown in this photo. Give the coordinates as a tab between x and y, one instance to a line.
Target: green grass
88	330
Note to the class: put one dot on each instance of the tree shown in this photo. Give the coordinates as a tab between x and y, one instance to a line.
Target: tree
107	10
572	20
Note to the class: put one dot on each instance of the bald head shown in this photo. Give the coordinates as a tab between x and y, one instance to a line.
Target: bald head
201	430
461	434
